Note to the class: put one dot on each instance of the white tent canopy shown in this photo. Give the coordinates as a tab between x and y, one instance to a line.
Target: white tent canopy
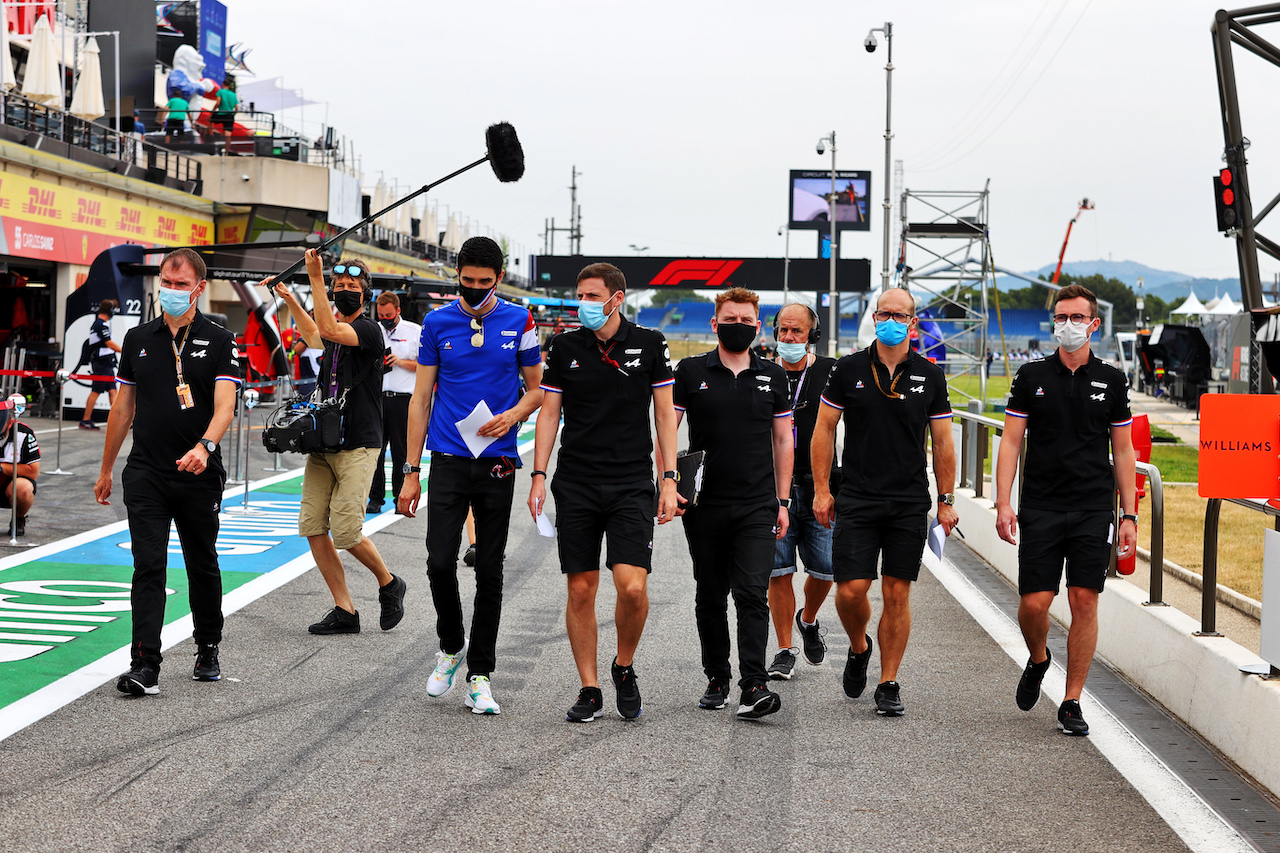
1225	305
43	79
1191	306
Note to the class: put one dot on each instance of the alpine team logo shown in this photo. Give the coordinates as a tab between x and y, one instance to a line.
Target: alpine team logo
918	389
1100	397
635	362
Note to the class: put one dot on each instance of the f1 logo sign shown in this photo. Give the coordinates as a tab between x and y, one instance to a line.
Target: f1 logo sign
711	272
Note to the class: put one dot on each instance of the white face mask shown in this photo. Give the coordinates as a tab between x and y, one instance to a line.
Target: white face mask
1071	336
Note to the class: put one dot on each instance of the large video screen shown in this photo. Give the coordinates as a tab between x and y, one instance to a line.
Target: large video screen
810	203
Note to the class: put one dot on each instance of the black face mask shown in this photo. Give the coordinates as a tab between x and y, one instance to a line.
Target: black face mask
736	337
475	296
348	302
389	324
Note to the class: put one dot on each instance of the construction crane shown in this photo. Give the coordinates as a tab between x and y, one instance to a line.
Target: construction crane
1085	204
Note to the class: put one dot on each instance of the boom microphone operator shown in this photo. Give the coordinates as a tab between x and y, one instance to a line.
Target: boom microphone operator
503	153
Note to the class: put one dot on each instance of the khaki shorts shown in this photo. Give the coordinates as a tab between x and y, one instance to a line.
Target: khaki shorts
335	487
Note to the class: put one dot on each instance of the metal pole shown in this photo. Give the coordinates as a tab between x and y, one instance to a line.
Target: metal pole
58	381
240	475
888	136
281	387
786	264
1209	574
13	481
119	130
833	334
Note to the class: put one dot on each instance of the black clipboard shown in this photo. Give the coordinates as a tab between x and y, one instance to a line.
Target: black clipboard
689	476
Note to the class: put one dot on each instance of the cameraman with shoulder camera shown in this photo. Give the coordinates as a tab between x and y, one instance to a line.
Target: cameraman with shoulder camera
336	483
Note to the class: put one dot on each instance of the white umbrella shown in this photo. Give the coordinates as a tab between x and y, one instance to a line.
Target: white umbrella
87	101
43	82
451	241
402	219
431	233
7	78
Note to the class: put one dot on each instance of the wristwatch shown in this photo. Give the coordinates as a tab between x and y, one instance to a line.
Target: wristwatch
207	444
410	469
785	503
670	475
1130	516
947	500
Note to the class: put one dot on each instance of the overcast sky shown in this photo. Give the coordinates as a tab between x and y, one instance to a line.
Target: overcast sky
685	117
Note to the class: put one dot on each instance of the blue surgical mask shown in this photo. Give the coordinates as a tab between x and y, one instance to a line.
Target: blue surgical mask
591	314
891	332
173	302
792	353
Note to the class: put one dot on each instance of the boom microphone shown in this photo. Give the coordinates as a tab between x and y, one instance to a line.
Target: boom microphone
503	153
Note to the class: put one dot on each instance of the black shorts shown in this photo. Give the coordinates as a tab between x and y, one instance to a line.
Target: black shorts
4	489
585	513
1048	537
866	529
104	368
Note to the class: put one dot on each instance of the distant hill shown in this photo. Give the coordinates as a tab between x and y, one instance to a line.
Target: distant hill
1172	287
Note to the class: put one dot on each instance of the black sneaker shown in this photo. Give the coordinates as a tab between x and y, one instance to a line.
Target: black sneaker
391	597
1071	720
469	558
889	699
815	648
1029	685
337	621
784	663
140	680
855	671
758	702
624	679
206	668
373	508
716	696
590	706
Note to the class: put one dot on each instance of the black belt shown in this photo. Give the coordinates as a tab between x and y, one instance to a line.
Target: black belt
397	393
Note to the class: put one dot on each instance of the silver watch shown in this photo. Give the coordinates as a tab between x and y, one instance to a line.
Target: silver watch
208	445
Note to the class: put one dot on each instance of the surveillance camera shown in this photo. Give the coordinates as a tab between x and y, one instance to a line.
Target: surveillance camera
822	147
870	43
244	178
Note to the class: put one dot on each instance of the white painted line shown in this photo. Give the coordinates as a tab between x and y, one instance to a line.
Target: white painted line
43	702
1195	821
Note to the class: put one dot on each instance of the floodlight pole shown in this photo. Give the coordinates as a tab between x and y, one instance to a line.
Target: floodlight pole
833	333
887	29
786	260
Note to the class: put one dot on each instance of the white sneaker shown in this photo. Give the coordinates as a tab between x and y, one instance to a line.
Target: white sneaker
446	671
480	696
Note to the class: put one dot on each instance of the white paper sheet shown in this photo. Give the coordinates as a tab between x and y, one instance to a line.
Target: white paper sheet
936	541
470	425
545	526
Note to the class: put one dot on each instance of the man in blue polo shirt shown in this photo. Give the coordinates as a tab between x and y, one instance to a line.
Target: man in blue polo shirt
473	355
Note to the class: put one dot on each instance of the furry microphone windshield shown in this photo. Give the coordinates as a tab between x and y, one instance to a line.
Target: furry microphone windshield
505	154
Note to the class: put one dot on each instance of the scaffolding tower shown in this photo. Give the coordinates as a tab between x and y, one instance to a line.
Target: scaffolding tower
946	253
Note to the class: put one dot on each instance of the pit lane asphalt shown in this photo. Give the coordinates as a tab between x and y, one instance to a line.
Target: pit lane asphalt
333	743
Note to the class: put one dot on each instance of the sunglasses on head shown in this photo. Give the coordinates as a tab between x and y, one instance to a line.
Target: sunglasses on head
349	269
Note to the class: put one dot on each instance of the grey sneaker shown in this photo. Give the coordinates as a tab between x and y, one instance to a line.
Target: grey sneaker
889	699
784	664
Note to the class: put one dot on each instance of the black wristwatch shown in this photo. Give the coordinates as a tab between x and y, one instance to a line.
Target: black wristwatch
670	475
207	444
785	503
410	469
947	499
1130	516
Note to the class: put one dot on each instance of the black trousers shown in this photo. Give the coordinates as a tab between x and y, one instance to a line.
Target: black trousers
192	504
732	549
486	486
395	432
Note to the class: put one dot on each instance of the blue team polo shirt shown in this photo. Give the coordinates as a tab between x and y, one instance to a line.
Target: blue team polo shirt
469	374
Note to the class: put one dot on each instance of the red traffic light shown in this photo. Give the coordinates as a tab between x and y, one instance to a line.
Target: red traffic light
1228	197
1225	177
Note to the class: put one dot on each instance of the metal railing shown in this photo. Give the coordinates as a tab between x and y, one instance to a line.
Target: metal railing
976	432
1209	585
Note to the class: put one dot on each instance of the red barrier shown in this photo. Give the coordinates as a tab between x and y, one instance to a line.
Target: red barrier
1141	434
43	374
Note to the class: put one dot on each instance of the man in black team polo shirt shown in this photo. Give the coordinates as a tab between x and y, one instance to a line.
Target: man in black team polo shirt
1069	405
739	413
891	398
178	381
795	329
602	376
335	485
